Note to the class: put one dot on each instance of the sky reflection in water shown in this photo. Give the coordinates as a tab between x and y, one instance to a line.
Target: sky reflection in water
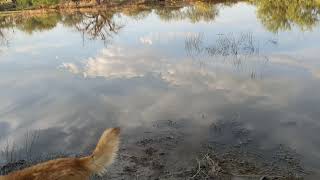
69	83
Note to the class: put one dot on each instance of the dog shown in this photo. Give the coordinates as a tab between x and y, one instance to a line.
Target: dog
74	168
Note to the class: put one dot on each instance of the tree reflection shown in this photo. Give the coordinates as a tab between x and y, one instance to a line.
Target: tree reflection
275	15
71	20
137	12
38	23
100	25
282	15
3	40
199	11
5	30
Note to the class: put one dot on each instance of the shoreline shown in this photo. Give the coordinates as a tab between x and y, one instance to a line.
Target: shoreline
73	7
164	152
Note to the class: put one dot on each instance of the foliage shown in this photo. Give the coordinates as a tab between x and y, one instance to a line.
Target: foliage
39	23
71	20
275	15
35	3
202	11
199	11
278	15
99	25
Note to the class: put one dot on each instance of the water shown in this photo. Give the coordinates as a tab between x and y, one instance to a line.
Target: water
70	75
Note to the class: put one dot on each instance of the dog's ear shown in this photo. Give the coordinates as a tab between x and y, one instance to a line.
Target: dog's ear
105	151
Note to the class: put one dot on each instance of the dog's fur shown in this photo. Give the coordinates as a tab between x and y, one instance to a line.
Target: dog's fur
74	168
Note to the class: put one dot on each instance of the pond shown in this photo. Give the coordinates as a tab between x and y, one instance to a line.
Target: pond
243	74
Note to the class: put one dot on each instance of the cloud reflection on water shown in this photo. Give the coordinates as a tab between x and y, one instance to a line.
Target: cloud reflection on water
135	86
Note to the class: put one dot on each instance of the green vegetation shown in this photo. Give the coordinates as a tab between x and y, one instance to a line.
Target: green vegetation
26	4
95	25
284	14
35	3
274	15
100	20
199	11
39	23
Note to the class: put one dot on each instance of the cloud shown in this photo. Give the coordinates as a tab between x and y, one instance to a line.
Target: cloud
145	41
140	86
70	67
115	63
164	37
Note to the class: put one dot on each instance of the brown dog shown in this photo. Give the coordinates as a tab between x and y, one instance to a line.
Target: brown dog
74	168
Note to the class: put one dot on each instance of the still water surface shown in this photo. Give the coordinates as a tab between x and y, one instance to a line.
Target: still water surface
70	75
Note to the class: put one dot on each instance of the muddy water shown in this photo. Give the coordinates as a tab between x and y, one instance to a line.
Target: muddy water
225	80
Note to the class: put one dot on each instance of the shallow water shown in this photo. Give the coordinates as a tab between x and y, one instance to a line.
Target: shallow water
68	76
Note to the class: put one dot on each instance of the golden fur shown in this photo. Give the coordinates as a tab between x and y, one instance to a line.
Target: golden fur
74	168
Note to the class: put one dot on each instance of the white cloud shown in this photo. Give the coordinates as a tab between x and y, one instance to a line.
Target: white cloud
114	63
145	40
71	68
164	37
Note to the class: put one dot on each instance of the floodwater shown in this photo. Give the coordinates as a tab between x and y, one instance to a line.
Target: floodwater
67	76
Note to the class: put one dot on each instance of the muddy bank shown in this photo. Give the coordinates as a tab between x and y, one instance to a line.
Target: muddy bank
228	152
167	151
10	7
